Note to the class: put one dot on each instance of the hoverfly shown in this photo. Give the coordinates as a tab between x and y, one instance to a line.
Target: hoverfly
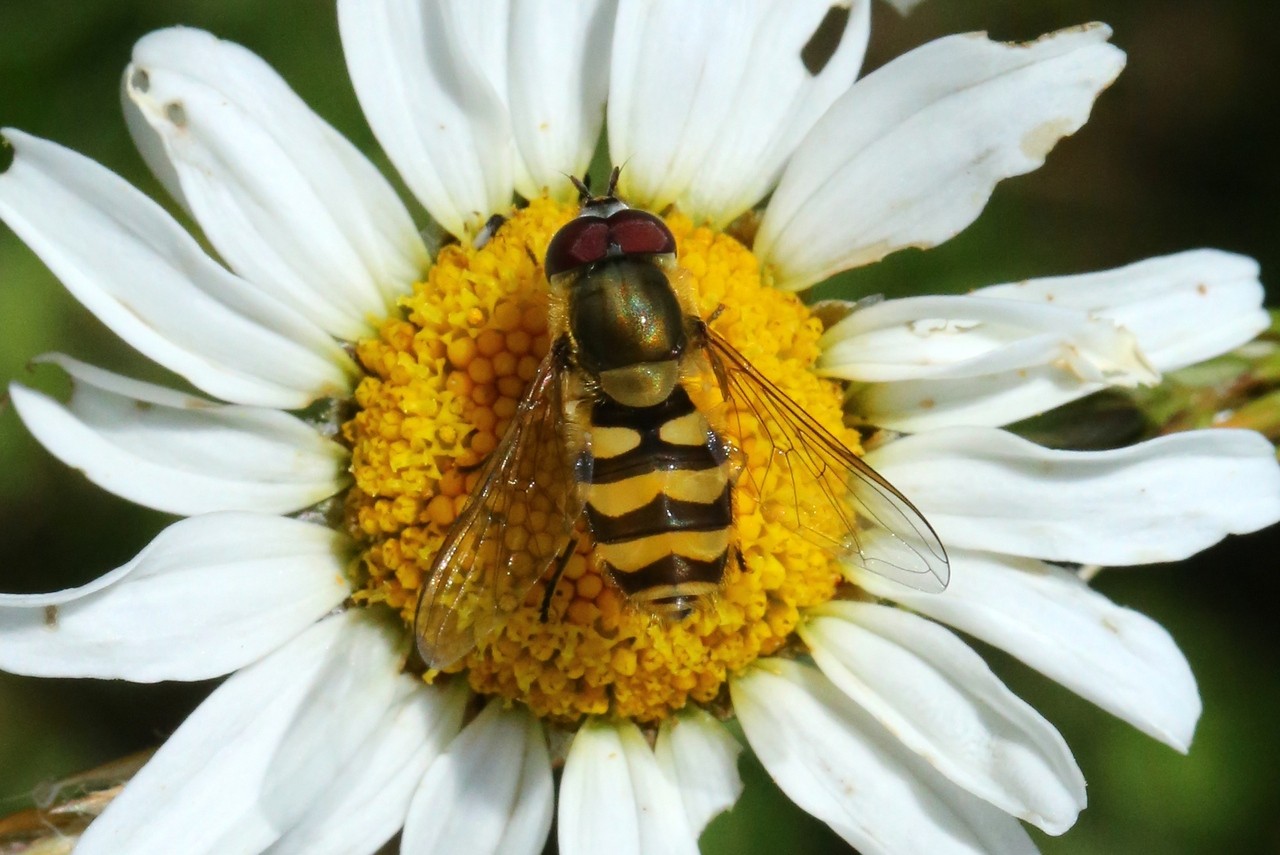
608	429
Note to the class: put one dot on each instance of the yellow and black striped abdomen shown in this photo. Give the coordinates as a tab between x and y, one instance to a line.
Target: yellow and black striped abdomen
659	501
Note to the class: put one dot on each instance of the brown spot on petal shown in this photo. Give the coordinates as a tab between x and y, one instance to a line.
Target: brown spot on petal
1041	140
176	113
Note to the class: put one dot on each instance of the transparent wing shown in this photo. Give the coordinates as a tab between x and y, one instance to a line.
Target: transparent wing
810	481
518	520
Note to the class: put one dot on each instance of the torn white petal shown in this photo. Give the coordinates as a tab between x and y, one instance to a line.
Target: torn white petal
1183	308
955	337
910	155
929	363
935	361
682	73
980	360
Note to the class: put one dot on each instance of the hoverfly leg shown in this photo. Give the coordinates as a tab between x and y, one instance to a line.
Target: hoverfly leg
699	331
562	561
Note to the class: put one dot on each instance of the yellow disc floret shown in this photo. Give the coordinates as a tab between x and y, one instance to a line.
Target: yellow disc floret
442	387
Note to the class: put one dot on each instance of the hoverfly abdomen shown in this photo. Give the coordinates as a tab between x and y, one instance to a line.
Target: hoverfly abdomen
659	501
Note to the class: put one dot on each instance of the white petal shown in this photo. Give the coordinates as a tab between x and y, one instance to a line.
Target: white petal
421	72
490	791
1160	500
130	264
180	453
360	678
707	101
210	594
929	689
289	203
1047	617
557	83
256	755
700	757
991	400
842	767
972	336
366	803
976	360
615	798
911	154
904	6
1183	308
981	360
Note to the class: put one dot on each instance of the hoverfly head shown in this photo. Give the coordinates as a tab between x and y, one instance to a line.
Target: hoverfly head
606	227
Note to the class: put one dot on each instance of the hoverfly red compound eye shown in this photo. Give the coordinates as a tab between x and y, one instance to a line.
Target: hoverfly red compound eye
636	231
581	241
589	239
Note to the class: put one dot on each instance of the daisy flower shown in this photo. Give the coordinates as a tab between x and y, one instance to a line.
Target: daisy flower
354	375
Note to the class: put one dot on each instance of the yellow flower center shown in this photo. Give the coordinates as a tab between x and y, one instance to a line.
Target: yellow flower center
443	383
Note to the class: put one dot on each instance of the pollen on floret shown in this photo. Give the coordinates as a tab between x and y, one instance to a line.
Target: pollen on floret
443	384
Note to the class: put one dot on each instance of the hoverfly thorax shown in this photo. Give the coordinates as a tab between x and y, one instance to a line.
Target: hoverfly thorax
623	317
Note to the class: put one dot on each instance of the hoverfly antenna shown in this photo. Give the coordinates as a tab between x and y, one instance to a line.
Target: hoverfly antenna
583	186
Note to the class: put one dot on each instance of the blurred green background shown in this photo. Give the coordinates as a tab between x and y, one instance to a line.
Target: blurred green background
1180	153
